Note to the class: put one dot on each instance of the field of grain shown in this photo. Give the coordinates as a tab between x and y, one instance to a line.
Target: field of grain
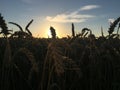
77	62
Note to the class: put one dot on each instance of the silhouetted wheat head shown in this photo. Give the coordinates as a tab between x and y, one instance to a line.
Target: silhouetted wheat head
4	27
113	25
53	32
21	33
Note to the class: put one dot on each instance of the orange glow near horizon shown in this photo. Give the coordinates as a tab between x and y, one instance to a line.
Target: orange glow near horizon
43	30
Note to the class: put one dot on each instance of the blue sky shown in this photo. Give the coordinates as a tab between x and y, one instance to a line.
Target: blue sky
60	14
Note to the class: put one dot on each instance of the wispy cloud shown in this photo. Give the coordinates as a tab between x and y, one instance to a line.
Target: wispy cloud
89	7
111	20
74	16
66	18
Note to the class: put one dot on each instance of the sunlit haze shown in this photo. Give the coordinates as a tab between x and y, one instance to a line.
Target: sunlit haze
60	14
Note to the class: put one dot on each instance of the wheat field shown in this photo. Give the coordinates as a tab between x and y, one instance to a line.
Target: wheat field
78	62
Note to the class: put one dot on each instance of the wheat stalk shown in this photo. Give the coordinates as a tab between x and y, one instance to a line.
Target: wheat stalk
6	67
56	62
30	57
73	31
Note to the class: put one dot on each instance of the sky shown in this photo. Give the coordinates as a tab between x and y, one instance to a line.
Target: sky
92	14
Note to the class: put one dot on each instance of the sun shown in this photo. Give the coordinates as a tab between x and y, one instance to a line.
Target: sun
44	30
49	33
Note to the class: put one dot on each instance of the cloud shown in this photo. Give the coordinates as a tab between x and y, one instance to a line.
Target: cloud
89	7
69	17
74	16
64	19
111	20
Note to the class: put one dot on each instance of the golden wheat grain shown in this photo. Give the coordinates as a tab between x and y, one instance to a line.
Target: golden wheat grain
30	57
55	59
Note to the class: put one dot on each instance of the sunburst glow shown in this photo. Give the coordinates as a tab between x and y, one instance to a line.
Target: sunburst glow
49	33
